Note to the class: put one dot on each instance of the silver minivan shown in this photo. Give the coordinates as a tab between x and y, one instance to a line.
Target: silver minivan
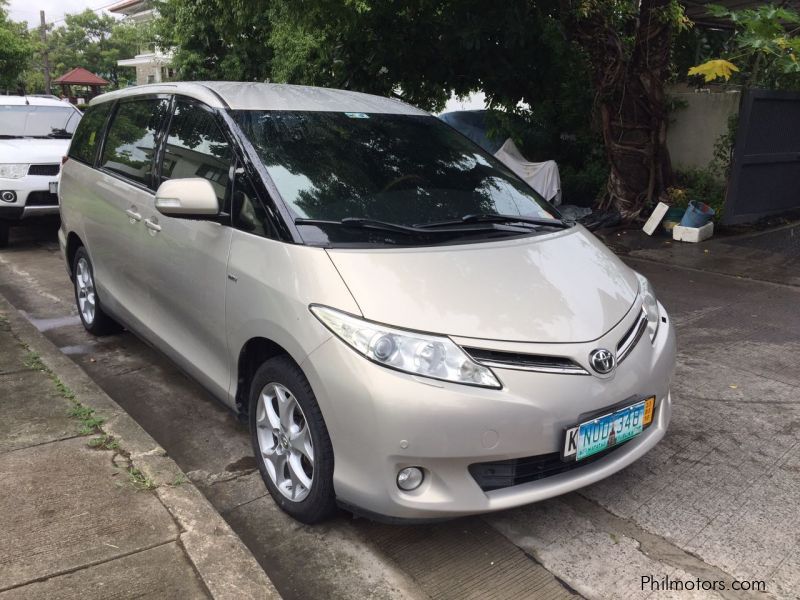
412	332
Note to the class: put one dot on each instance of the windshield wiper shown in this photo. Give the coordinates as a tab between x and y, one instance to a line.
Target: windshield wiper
359	223
364	223
490	218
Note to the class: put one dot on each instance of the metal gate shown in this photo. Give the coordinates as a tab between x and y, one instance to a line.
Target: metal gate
765	174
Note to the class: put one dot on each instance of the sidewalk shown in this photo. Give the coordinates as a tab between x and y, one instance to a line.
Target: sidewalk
90	505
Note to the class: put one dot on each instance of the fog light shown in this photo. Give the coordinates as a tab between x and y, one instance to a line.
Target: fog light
8	196
410	478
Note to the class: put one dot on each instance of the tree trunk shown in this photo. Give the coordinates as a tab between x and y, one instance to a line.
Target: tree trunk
631	106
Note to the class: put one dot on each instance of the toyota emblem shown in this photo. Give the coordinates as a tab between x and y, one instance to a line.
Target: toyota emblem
602	361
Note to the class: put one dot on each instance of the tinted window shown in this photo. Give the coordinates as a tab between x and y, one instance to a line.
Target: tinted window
196	147
130	143
87	135
406	169
249	213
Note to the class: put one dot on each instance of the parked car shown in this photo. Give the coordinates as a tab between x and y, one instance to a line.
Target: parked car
410	330
34	135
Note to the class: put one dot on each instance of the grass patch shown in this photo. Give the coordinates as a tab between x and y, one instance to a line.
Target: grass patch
34	362
104	442
63	389
139	480
180	479
90	422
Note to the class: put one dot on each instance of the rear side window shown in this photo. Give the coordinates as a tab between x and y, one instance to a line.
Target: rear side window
131	140
196	147
89	132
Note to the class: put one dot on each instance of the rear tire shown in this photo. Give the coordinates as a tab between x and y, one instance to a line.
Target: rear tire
287	429
5	227
95	320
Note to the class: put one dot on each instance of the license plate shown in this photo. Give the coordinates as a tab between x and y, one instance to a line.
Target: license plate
53	187
607	431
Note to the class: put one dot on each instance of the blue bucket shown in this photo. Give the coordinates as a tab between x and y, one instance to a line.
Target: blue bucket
697	214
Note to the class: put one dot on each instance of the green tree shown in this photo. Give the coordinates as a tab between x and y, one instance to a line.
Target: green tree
15	50
551	61
629	45
95	42
763	52
216	39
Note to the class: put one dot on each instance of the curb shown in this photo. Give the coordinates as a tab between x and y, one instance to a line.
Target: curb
227	568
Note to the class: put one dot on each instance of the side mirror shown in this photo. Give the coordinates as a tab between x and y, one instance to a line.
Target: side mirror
191	197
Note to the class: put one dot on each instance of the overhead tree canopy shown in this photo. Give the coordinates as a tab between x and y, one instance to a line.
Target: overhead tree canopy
550	61
217	39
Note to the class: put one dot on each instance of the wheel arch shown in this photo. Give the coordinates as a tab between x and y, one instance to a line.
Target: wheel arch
252	355
73	243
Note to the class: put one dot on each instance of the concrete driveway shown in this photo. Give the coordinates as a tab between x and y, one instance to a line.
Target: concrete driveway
713	505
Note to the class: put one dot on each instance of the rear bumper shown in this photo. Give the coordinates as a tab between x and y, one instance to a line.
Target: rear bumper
381	421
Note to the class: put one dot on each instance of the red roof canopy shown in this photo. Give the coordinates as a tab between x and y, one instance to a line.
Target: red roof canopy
80	76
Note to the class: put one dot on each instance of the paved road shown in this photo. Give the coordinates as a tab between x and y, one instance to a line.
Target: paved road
716	500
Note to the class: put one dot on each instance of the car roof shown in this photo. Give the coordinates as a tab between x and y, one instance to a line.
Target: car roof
32	101
269	96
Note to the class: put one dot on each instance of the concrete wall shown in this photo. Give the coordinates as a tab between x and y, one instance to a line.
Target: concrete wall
694	130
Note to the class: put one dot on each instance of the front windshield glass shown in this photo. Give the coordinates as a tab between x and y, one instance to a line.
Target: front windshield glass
38	121
402	169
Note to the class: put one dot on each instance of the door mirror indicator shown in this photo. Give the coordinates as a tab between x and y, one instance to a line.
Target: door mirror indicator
191	197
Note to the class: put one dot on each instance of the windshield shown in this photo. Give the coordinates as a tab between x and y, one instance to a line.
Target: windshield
38	121
409	170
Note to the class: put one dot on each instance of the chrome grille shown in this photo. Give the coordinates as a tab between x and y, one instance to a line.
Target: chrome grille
525	362
631	337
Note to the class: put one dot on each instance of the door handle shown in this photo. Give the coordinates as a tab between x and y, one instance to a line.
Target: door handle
134	216
152	225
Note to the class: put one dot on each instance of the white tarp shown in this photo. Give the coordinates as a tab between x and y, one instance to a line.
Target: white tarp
543	176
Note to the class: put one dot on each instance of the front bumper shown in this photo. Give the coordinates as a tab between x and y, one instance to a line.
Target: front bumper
381	420
33	197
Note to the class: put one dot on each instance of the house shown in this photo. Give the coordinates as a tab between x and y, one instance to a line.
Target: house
153	65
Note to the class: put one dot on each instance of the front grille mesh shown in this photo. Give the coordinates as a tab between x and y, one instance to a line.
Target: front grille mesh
42	199
44	169
516	471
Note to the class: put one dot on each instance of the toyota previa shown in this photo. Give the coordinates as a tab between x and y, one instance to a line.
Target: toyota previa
409	329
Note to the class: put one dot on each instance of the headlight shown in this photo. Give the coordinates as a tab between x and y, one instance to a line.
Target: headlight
13	170
649	305
416	353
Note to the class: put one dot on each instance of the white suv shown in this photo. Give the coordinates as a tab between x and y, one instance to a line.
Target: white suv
34	135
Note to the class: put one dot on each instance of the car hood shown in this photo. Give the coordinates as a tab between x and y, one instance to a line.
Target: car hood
561	287
31	150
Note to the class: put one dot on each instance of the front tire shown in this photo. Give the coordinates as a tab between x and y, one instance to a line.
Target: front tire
95	320
290	441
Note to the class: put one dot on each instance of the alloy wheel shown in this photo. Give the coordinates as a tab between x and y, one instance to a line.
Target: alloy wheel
284	440
87	301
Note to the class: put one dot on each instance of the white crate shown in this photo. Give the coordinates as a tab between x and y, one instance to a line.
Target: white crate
693	234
